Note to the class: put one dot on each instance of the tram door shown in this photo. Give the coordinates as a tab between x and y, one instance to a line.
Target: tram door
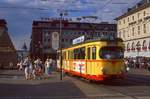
89	61
93	63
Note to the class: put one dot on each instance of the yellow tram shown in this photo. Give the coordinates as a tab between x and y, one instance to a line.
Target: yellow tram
95	60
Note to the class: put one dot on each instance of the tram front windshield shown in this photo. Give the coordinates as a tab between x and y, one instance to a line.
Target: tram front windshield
111	52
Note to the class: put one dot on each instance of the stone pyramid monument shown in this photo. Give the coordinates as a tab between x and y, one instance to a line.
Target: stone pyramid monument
8	54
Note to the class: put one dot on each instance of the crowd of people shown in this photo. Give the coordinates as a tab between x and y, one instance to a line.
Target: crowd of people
137	62
36	69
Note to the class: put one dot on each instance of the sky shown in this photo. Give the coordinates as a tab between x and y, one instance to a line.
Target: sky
20	14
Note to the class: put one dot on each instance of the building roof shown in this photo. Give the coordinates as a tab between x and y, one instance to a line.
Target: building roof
35	22
138	7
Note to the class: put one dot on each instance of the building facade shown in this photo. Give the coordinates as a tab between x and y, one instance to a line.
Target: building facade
134	28
45	35
8	55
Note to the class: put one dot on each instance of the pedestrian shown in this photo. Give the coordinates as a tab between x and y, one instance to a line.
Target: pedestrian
20	65
38	68
50	66
11	65
26	65
46	66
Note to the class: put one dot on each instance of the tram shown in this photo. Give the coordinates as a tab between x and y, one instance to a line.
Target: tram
95	60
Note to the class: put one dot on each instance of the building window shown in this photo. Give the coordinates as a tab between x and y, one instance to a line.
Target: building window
144	13
124	21
138	30
138	46
128	33
62	40
128	19
70	40
132	18
49	40
133	47
128	47
124	33
45	40
133	29
144	28
144	47
120	34
78	25
138	15
149	45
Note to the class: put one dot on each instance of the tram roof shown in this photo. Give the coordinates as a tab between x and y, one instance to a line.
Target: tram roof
96	40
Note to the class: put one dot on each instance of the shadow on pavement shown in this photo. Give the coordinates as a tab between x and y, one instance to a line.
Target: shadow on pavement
130	80
54	89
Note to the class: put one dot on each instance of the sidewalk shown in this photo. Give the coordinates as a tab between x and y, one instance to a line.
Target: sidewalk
14	86
17	77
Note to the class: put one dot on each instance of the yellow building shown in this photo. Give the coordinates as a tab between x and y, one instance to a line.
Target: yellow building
134	28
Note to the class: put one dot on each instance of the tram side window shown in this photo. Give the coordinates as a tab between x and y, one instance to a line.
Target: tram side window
79	53
64	55
82	53
70	54
76	54
93	52
88	53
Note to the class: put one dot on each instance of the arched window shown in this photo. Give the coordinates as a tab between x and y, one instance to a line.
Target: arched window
128	47
149	45
138	46
144	46
133	46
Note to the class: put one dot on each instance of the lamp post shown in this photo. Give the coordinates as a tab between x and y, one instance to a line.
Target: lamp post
62	13
60	47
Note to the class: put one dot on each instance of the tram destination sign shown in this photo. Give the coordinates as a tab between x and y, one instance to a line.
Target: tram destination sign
78	40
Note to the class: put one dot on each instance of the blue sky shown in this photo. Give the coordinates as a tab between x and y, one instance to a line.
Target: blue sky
19	14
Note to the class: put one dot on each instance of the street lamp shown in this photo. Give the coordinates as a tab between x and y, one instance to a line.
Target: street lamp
62	13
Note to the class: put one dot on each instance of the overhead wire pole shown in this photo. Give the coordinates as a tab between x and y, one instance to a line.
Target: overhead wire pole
60	47
61	13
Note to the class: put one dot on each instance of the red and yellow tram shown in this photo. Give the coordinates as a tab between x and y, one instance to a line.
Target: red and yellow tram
95	60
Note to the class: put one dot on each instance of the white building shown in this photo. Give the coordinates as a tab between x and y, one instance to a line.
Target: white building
134	28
